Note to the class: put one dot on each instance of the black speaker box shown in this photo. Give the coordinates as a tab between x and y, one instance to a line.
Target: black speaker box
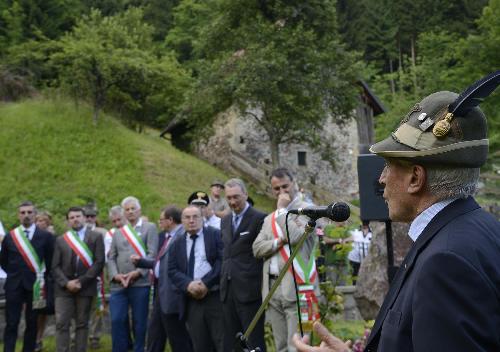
372	203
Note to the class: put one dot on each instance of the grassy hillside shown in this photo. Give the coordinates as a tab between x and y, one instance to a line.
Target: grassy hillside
53	155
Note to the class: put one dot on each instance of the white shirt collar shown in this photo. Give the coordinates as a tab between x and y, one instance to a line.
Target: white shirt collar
139	223
199	233
30	229
419	224
174	230
247	205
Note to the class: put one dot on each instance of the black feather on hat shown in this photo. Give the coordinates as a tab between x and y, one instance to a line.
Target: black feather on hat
458	136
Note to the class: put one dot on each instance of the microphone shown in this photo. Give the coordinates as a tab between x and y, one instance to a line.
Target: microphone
335	211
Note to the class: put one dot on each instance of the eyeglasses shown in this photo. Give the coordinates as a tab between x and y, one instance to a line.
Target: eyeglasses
26	212
189	217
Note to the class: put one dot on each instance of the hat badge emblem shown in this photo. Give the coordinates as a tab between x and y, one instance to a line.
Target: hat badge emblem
442	127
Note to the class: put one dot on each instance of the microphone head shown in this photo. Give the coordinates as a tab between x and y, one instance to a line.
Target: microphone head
339	211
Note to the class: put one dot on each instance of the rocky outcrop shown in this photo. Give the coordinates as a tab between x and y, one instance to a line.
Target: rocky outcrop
373	284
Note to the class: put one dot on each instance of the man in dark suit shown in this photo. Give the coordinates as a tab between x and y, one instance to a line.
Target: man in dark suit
241	276
22	249
446	294
78	261
165	321
194	265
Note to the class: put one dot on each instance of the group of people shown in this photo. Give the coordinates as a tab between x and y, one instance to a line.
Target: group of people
209	266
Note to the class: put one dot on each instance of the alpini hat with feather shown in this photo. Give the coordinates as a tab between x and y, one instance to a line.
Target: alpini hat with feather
445	129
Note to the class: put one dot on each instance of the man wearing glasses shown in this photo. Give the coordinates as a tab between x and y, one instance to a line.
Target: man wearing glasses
26	258
194	266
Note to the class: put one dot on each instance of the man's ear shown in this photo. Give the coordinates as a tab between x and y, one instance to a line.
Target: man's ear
418	179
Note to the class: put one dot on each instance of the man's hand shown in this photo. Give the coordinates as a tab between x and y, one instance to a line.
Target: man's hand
130	278
282	241
73	286
283	200
329	343
197	289
120	278
203	289
134	258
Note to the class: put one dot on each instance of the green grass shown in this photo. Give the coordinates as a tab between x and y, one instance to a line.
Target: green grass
53	155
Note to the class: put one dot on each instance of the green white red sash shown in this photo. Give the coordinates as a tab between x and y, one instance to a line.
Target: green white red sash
134	240
79	247
111	232
304	274
308	303
101	298
31	258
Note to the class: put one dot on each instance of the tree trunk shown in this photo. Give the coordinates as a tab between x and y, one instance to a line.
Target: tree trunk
275	151
97	107
414	67
391	70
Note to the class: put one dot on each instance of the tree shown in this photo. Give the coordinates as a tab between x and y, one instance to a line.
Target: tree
109	61
280	62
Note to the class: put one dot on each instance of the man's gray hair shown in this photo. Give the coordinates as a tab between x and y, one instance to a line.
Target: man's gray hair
451	182
116	210
236	182
131	199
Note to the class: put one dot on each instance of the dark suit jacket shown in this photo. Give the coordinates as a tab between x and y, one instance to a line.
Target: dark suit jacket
178	264
12	262
168	295
239	265
64	265
446	294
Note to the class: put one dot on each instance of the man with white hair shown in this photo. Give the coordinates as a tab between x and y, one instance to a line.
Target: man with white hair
130	286
446	293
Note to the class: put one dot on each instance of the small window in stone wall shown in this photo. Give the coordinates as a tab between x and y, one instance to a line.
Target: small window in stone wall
301	158
242	140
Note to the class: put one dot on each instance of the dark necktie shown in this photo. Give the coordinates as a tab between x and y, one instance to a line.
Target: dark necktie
163	248
27	234
235	222
191	258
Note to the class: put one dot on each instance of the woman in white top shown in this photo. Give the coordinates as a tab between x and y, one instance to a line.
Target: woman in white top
360	244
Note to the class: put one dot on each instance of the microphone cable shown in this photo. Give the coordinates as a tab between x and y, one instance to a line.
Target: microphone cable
293	275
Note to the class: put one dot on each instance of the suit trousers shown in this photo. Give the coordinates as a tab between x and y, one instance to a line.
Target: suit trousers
284	320
68	308
205	323
167	326
237	318
14	301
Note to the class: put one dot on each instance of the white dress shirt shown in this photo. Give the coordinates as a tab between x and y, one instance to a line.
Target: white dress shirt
419	224
31	231
201	264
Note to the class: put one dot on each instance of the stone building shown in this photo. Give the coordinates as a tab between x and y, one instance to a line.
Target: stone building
240	146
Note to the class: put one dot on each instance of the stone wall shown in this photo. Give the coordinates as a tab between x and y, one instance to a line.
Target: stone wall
239	140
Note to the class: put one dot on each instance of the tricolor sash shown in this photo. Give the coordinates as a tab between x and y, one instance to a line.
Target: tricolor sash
79	247
304	274
101	295
111	232
134	239
308	302
31	258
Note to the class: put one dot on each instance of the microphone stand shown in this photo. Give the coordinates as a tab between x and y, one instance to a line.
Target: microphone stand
242	339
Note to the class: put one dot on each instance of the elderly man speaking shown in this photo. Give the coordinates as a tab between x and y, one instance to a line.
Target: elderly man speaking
446	294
